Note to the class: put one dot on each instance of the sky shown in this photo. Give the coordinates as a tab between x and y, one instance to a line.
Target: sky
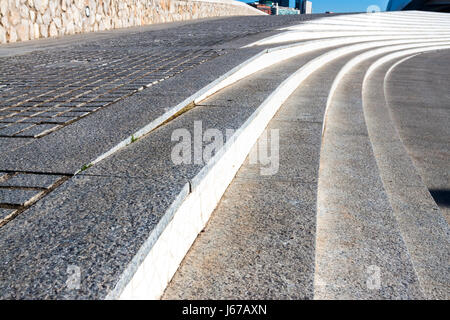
320	6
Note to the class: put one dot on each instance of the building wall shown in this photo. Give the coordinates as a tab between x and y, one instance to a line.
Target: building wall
287	3
307	7
22	20
397	4
425	5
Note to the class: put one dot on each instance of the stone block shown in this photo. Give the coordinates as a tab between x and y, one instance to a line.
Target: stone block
18	197
31	181
5	212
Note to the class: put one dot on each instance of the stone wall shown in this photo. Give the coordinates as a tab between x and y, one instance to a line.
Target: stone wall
22	20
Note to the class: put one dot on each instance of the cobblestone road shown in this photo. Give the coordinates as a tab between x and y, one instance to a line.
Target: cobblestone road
43	91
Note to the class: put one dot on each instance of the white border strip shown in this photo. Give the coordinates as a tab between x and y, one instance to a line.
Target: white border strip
367	55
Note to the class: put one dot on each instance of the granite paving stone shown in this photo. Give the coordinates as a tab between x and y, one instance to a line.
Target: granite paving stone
18	197
14	128
151	156
95	223
259	244
31	180
401	158
142	155
80	68
67	149
38	130
5	212
9	145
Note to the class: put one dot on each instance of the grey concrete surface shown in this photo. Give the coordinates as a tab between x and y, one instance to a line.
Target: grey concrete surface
101	70
5	212
66	150
418	98
29	239
48	230
260	240
357	234
256	27
423	228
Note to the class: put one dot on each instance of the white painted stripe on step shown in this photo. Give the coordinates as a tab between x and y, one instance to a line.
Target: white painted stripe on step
370	54
397	55
291	36
368	27
279	54
367	18
378	21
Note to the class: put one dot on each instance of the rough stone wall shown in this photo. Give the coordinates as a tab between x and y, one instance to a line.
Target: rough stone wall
22	20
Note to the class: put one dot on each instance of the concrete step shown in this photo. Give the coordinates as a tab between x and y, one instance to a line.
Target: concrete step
357	235
350	207
260	240
423	227
210	271
423	121
360	24
130	215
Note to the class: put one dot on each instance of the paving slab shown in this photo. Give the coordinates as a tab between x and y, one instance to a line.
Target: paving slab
68	149
5	212
149	155
93	223
31	180
18	197
144	162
